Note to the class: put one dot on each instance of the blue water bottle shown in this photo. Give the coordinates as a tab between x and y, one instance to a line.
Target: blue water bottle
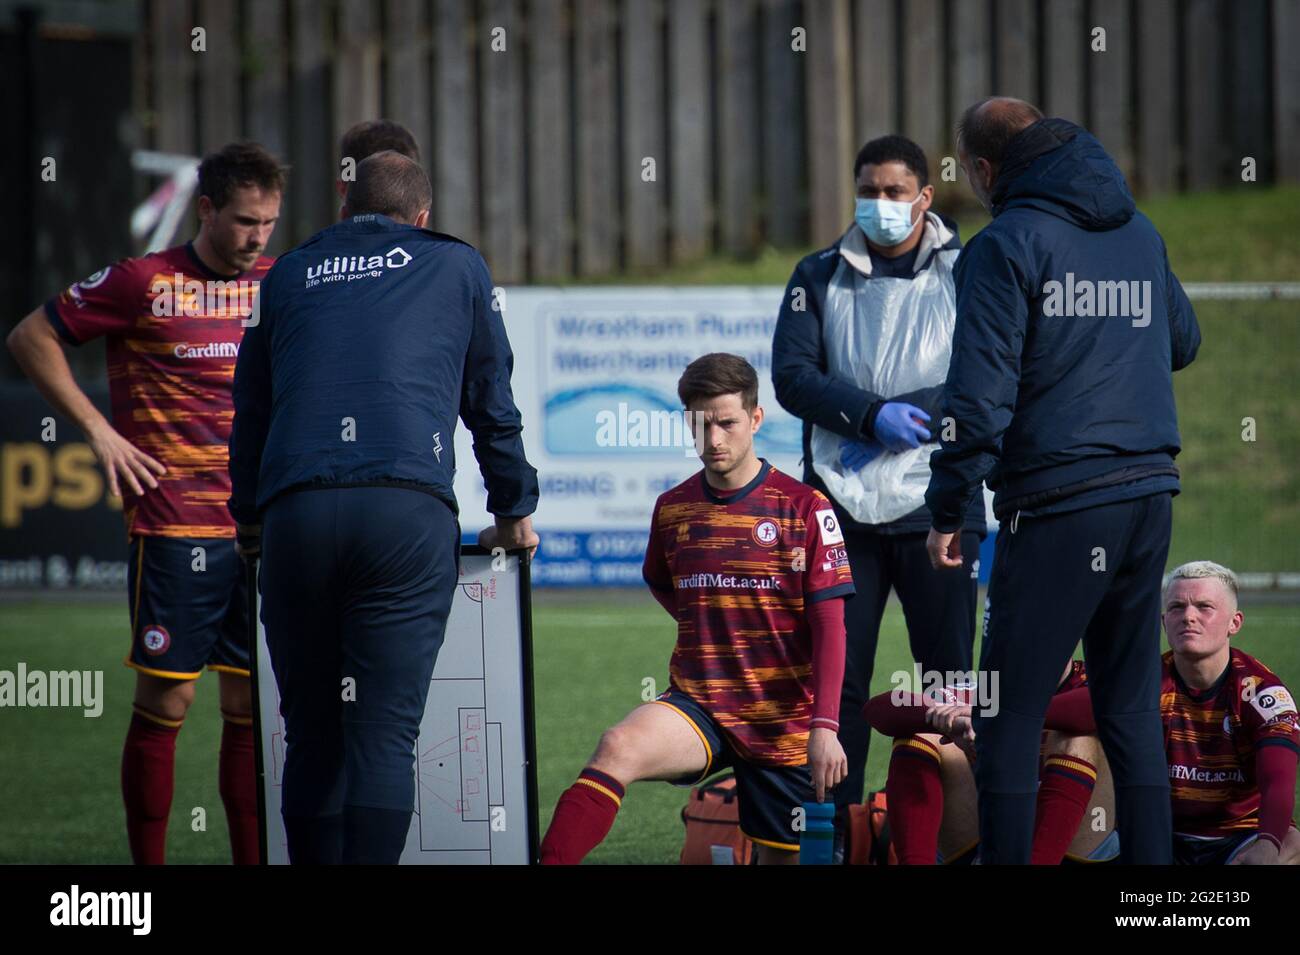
817	841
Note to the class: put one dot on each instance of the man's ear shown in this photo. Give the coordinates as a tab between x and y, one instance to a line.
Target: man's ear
422	219
341	188
205	208
987	172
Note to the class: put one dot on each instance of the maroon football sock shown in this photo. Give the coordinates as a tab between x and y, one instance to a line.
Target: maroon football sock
237	780
1064	789
583	817
148	764
914	793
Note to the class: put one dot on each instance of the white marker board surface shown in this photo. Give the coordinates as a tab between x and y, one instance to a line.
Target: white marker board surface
475	801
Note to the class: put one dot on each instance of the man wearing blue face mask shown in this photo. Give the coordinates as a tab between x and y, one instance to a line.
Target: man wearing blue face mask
861	352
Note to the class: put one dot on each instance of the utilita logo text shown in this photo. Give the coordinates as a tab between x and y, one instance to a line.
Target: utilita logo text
346	268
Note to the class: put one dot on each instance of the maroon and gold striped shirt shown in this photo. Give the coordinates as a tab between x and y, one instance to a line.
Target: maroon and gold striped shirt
741	569
1212	737
173	329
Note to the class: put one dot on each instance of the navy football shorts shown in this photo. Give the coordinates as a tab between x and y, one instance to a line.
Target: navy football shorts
188	610
766	795
1211	850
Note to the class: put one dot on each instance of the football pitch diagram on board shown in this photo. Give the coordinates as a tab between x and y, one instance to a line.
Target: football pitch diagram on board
475	801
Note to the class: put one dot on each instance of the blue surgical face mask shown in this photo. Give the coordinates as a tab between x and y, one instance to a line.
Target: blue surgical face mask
885	221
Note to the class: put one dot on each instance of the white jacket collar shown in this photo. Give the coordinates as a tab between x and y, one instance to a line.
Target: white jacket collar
853	244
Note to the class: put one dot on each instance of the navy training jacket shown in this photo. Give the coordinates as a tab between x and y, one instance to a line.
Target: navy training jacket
371	338
1070	325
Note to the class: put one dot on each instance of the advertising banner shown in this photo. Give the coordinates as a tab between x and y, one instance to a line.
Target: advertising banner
595	379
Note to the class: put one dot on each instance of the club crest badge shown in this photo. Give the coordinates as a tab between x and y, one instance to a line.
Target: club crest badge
156	640
766	533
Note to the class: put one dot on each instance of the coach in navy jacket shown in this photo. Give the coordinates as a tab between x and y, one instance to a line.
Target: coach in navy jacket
1070	325
369	341
393	327
1060	412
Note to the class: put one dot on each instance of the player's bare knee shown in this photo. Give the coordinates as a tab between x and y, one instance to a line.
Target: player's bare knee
1053	741
236	695
616	754
1080	747
170	699
952	760
1290	852
948	752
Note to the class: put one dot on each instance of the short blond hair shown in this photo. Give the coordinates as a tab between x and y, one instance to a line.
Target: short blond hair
1200	570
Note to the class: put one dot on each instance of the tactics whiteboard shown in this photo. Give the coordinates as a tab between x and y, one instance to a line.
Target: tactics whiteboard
476	789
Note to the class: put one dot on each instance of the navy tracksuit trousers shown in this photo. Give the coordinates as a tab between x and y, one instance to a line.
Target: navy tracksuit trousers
939	607
356	586
1092	575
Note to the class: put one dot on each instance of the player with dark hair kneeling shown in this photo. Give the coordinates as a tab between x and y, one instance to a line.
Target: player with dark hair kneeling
751	564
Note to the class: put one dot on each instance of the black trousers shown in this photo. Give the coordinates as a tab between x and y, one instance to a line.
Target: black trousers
939	607
357	585
1092	575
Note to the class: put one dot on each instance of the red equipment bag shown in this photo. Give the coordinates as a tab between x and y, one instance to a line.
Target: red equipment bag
712	818
869	842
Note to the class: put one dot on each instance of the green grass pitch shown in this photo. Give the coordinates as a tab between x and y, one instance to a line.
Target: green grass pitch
59	791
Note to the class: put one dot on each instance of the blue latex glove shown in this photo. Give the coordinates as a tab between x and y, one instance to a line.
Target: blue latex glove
854	455
896	429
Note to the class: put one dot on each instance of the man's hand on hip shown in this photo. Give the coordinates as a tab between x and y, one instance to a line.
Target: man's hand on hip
944	549
124	464
510	533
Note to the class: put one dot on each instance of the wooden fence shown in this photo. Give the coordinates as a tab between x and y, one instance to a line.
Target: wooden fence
572	138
